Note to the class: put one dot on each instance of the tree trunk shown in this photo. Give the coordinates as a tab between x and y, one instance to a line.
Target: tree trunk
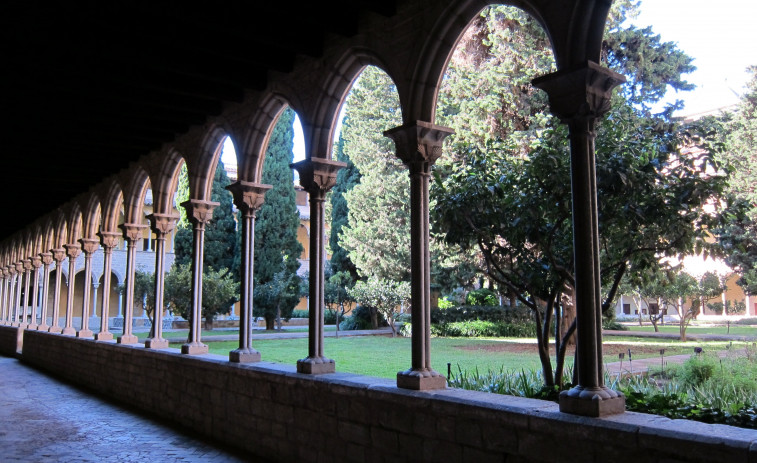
209	323
374	318
269	323
568	314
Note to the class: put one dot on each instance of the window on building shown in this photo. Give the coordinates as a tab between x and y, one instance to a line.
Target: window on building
627	309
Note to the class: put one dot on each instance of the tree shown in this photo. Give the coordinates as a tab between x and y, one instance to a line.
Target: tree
377	235
708	287
507	193
346	179
144	291
219	292
739	236
337	295
220	233
385	296
277	250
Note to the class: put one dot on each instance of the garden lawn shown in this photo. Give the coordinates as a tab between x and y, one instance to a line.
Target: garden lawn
384	356
739	330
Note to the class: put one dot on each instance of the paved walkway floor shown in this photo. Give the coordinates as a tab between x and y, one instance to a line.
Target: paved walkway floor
45	420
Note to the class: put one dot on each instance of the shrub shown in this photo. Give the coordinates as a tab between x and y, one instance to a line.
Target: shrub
483	328
300	314
698	369
613	325
360	319
485	313
483	296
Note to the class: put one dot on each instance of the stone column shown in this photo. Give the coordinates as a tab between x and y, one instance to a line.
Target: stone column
132	234
27	284
72	251
3	292
94	298
317	177
199	213
579	97
58	256
248	197
419	145
89	246
17	295
36	263
161	225
109	241
46	258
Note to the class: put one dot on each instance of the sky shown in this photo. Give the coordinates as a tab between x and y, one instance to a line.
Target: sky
721	36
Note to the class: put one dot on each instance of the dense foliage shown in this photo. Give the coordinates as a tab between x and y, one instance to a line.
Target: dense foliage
277	286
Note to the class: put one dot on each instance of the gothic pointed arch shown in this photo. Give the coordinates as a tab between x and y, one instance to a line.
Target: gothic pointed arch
163	171
112	199
135	183
257	136
91	215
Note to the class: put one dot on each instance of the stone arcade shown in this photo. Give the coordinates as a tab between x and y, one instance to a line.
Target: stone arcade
308	412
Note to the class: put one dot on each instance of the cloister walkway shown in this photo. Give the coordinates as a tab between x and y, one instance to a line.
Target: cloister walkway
47	420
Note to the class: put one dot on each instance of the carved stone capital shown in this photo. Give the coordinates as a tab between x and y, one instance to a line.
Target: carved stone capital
317	175
58	254
19	266
27	264
580	93
162	224
46	257
36	262
419	144
109	240
72	250
89	246
199	212
132	231
248	196
6	272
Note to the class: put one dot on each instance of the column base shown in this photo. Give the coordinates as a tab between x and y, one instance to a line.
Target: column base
127	339
32	326
592	402
15	324
54	329
316	366
43	327
194	348
244	356
421	380
156	343
104	336
84	334
68	331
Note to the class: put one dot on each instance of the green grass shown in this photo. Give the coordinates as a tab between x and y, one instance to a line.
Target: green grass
384	356
699	329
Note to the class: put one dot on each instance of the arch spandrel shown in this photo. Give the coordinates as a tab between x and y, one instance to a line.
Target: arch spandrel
112	197
91	215
574	27
205	162
73	216
255	141
135	183
163	170
337	85
60	229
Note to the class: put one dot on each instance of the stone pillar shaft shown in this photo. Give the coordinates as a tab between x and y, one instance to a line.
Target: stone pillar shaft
27	285
17	294
47	259
419	145
58	256
199	213
132	234
248	197
89	246
161	225
3	291
579	97
108	240
36	263
73	251
317	177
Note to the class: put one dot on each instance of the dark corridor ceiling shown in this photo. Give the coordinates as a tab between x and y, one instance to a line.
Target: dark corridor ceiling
88	87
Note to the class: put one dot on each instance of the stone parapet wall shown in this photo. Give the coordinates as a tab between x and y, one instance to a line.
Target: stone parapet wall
11	339
271	411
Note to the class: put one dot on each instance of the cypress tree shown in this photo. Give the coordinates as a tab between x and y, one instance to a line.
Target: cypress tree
276	247
345	180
